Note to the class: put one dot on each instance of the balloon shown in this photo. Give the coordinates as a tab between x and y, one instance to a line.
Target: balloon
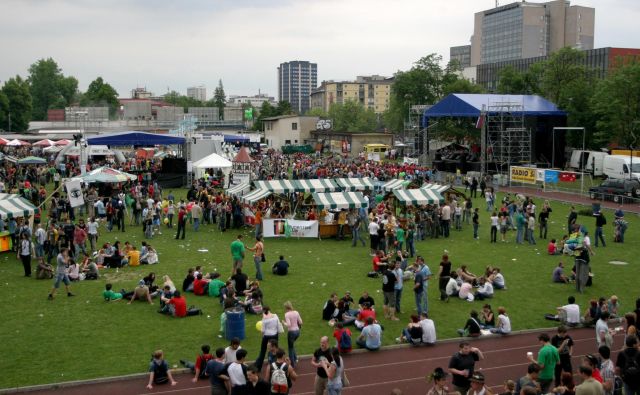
166	221
259	326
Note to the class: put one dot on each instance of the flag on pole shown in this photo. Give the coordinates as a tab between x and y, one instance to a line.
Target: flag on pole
480	122
74	192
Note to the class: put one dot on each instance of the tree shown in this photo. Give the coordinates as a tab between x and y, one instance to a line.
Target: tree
219	97
461	85
49	87
351	116
563	69
511	81
100	93
4	110
616	103
317	112
284	108
16	90
68	88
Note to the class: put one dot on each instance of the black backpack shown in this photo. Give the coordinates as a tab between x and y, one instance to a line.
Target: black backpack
631	371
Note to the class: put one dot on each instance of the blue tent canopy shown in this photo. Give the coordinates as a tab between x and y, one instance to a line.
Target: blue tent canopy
135	138
470	105
235	139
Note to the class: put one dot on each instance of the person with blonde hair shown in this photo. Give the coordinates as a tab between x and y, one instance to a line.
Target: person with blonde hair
293	322
168	282
159	372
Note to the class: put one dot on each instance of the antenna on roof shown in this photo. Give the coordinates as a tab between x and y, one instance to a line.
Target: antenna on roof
497	4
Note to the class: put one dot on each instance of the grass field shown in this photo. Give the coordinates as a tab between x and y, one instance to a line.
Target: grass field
83	337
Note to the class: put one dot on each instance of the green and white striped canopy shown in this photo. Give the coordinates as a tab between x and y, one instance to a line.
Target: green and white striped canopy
436	187
256	195
418	197
276	186
340	200
14	206
316	185
355	184
393	185
238	190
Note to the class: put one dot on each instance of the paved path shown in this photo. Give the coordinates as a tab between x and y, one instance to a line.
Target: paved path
374	373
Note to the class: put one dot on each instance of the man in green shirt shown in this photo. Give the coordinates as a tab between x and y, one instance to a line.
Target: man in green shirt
215	285
237	253
548	358
109	295
400	237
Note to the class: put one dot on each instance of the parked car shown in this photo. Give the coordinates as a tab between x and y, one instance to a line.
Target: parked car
616	190
618	166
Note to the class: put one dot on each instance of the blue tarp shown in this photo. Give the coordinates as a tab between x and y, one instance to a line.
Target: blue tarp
135	138
235	139
470	105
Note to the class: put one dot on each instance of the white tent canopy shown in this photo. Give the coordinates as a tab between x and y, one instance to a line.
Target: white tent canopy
340	200
213	161
92	150
15	206
238	190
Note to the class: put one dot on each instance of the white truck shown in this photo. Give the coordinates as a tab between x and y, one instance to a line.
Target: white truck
588	161
619	167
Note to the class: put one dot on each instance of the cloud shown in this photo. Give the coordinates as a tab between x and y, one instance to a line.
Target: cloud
168	44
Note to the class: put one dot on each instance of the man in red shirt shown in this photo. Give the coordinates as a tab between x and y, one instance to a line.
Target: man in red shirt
365	313
176	306
181	221
200	285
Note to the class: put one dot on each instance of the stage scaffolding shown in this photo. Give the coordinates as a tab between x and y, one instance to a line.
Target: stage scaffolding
508	140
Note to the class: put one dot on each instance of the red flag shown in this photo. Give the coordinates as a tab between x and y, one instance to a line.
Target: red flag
480	122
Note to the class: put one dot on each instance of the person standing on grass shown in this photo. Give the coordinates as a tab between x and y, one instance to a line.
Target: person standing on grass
571	219
182	222
258	252
61	273
237	254
476	222
548	358
418	289
543	221
25	251
388	284
601	221
495	222
397	288
293	322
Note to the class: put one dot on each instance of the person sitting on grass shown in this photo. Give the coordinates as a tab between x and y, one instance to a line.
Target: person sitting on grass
141	292
485	291
371	336
552	248
74	270
200	366
215	285
151	256
90	269
412	334
164	295
175	307
466	291
280	268
466	275
452	288
187	283
253	303
44	270
109	295
329	310
200	285
497	279
504	323
558	274
159	372
364	315
472	326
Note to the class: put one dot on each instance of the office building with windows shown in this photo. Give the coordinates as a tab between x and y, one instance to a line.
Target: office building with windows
526	29
296	80
461	54
197	92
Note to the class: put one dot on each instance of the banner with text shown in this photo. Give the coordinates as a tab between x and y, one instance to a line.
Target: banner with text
74	192
525	175
289	228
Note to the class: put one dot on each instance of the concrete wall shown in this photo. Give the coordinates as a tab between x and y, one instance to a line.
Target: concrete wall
291	130
169	114
137	109
534	30
205	113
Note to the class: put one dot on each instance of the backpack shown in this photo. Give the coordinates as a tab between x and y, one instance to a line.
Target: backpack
631	371
345	341
618	385
203	365
279	383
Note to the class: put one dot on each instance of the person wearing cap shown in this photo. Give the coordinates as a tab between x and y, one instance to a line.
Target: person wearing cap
141	292
548	358
589	386
461	366
477	385
439	378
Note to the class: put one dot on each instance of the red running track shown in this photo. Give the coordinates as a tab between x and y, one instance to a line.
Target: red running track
373	373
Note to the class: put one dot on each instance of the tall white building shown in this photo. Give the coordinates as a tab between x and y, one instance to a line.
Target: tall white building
197	92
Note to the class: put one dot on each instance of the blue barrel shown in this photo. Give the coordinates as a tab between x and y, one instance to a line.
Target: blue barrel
234	326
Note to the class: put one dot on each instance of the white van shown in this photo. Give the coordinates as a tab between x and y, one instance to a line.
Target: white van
617	166
588	161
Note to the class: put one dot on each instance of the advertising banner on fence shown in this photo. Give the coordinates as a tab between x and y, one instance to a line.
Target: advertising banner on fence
526	175
289	228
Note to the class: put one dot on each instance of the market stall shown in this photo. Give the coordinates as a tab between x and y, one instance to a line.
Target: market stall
276	186
418	197
256	195
238	190
355	184
14	206
392	185
316	185
337	201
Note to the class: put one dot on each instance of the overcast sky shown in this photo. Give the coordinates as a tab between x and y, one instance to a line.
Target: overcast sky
167	44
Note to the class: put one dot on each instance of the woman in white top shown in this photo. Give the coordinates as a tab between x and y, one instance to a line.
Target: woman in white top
293	322
334	371
504	323
270	329
92	230
494	226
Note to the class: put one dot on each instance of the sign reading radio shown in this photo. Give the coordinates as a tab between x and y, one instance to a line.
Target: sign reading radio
523	174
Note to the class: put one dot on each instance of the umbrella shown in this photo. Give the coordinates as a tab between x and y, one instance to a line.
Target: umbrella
63	142
44	143
53	148
32	160
3	141
17	143
108	175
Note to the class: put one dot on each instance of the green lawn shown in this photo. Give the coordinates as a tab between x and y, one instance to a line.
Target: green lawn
83	337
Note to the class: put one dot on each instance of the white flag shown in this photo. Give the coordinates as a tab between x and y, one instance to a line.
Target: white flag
74	192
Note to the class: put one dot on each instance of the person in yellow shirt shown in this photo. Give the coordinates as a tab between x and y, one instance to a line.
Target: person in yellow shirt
133	256
342	221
